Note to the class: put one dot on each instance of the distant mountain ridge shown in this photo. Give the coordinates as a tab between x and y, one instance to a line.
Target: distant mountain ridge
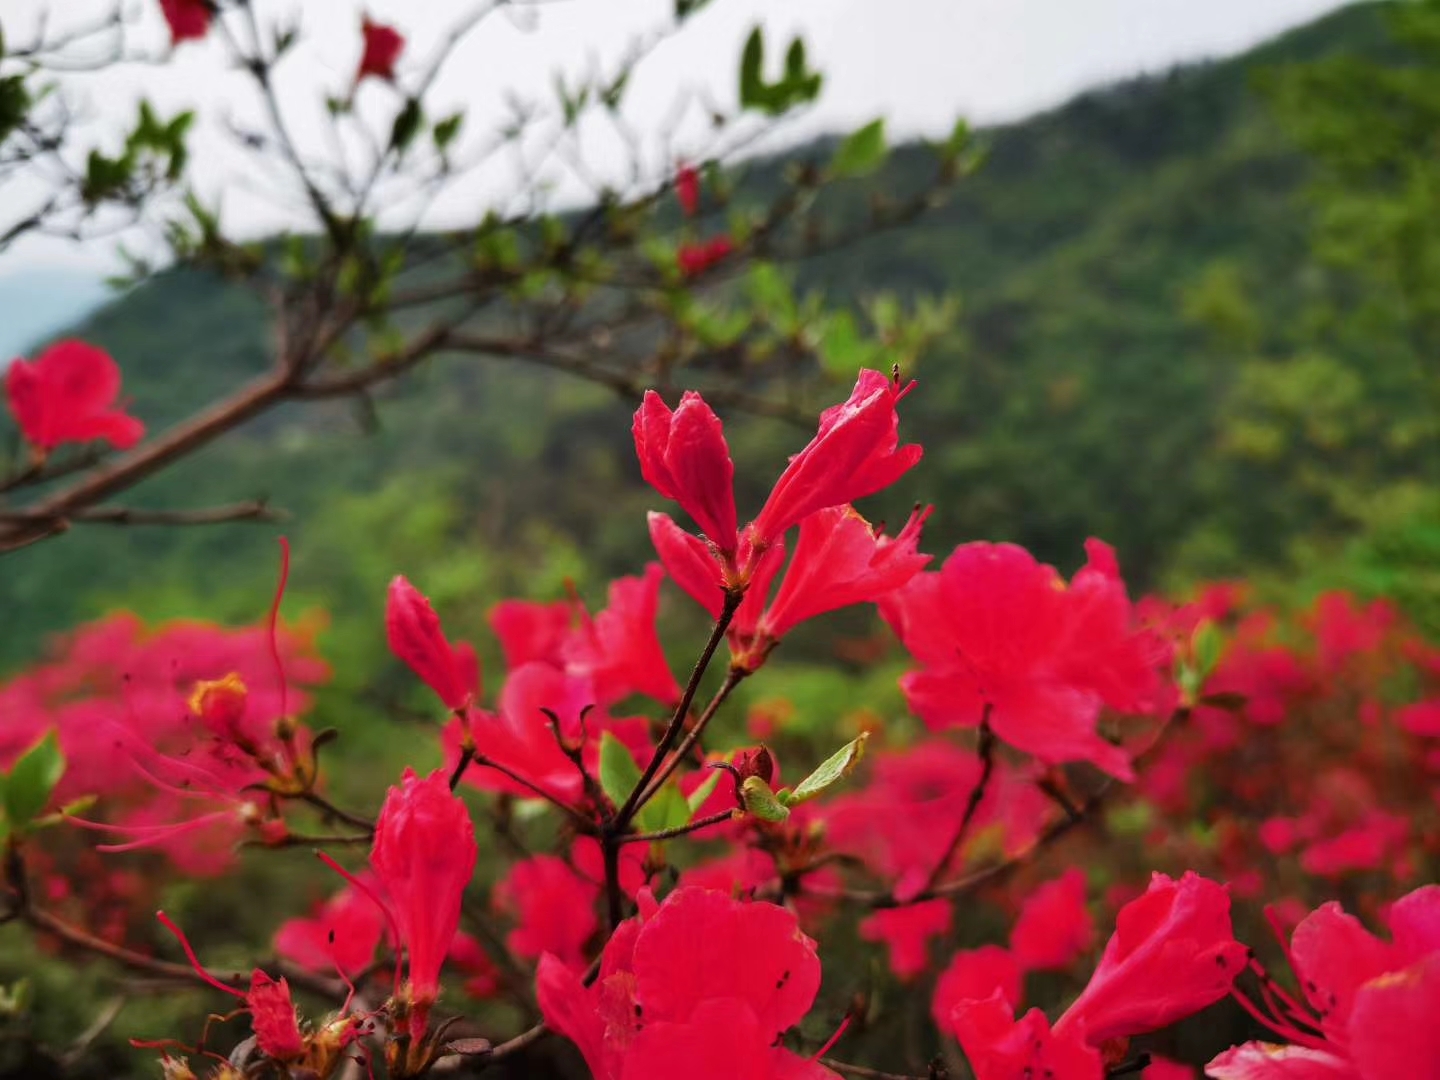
1075	397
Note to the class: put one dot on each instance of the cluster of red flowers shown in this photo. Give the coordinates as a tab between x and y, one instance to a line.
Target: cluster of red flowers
1031	689
1309	756
189	20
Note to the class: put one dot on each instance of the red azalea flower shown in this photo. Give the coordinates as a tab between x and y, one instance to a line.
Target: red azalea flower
482	979
342	934
519	735
906	932
555	908
683	455
1000	635
416	637
999	1047
839	561
1373	1003
855	453
189	19
272	1011
383	45
687	189
1172	954
68	395
695	259
619	650
1054	926
702	986
530	631
424	856
976	975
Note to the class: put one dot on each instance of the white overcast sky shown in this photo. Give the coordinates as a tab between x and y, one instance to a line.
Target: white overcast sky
919	63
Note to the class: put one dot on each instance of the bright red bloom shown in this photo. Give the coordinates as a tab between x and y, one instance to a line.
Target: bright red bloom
188	19
519	735
999	635
415	636
530	631
906	932
424	856
1054	927
976	975
67	395
383	45
1172	954
689	561
343	934
703	986
684	456
901	823
854	453
1374	1002
687	189
272	1011
839	561
695	259
482	978
555	909
999	1047
619	650
1163	1069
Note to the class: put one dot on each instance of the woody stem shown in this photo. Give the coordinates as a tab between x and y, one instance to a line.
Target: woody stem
986	750
679	830
682	710
732	679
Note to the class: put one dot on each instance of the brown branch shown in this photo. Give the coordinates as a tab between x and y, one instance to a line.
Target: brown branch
72	935
129	469
986	750
682	711
733	678
127	515
679	830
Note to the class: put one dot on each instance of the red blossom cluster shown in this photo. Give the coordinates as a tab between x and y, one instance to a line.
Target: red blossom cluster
1304	749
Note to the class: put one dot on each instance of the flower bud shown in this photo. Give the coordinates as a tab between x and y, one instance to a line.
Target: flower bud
756	761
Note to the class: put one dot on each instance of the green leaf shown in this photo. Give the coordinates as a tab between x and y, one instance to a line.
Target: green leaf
861	152
754	94
667	810
701	793
407	125
618	772
958	140
445	131
32	779
1206	645
831	771
685	8
762	802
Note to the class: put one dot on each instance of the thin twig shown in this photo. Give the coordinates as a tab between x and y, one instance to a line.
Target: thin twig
679	830
986	750
682	710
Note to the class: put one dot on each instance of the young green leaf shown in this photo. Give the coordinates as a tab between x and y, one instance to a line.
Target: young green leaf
861	152
831	771
32	779
762	802
618	772
701	793
667	810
